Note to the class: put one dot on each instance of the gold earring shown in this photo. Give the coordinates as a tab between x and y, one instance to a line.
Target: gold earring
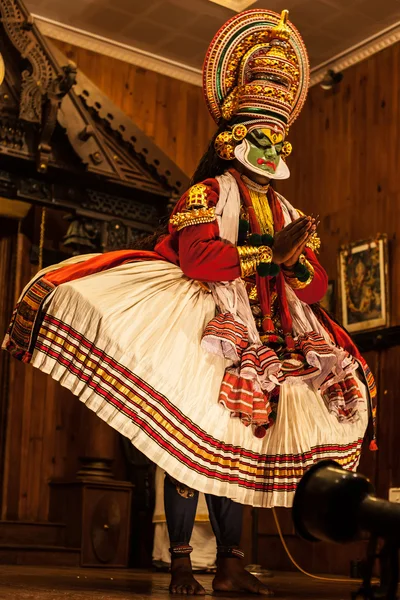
226	142
286	150
225	146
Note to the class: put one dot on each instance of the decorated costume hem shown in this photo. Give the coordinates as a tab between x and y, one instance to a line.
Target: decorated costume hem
250	388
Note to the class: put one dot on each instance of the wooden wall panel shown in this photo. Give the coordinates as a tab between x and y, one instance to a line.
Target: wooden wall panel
48	428
345	160
345	167
171	112
388	463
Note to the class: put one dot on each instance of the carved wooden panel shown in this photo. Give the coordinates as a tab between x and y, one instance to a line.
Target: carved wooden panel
169	112
19	27
104	141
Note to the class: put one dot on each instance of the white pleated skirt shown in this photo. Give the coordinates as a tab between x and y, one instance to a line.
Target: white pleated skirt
126	342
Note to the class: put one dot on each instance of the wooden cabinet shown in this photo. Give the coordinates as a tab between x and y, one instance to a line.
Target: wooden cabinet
97	519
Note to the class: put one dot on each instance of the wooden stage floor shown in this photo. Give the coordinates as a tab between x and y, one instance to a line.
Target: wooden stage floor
42	583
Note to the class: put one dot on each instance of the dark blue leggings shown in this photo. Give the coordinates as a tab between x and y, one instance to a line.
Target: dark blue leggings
225	517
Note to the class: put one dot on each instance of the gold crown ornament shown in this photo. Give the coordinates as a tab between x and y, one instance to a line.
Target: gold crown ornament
256	72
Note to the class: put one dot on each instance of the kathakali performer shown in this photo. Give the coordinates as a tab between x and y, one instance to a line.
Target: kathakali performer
210	352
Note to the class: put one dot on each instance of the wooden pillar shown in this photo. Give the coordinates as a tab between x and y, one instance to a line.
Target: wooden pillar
8	244
16	379
99	447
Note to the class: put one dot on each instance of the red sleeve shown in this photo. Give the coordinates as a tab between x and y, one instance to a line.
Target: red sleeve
202	254
316	290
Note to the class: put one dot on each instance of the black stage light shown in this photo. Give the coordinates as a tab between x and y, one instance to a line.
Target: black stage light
335	505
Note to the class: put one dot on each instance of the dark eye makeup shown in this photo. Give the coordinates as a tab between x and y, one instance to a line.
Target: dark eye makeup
260	140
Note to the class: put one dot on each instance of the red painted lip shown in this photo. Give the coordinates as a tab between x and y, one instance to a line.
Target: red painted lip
268	163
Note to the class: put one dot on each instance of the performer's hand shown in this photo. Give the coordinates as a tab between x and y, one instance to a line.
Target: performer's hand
290	239
296	255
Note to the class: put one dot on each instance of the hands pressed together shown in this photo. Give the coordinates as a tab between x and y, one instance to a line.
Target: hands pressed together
290	242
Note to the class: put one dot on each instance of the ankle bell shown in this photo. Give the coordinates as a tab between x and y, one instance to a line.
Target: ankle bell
229	552
180	550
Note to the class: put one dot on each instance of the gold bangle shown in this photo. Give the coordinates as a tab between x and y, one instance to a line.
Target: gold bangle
247	251
248	260
295	283
248	267
251	256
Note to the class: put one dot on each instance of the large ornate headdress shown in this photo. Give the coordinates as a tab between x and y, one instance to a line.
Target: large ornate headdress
256	73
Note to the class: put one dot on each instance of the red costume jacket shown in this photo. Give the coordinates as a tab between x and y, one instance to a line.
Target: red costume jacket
202	255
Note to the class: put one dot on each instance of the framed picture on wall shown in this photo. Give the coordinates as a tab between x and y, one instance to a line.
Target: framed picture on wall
328	302
363	284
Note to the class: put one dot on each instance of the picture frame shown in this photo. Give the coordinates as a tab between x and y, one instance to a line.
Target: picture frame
328	302
363	284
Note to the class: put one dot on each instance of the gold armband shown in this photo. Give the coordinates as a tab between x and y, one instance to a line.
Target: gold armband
197	196
196	216
196	210
251	256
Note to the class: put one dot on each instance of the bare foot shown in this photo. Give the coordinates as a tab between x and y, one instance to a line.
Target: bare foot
232	577
182	580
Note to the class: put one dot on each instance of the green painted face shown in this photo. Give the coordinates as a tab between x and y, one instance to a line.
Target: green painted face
265	149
